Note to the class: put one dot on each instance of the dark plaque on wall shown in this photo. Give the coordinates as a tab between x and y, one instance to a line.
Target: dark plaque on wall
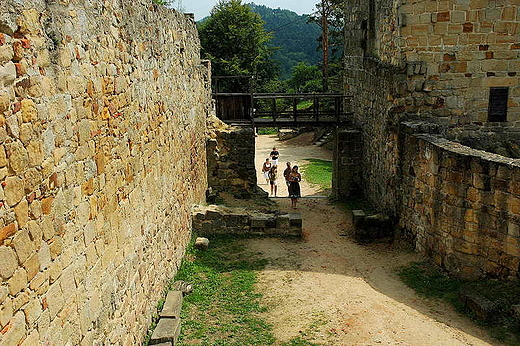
497	110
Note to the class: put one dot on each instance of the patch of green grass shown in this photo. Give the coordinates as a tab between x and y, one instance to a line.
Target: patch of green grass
299	342
267	130
224	308
428	280
318	172
357	204
305	105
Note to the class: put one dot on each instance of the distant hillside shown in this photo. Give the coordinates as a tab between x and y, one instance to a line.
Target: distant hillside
296	38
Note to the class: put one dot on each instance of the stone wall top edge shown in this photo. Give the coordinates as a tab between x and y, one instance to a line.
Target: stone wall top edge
12	8
462	150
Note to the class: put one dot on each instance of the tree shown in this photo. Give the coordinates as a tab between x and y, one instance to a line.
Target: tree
234	39
330	16
305	78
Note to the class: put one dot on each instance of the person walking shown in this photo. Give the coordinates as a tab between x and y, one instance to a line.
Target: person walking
286	175
274	157
265	170
273	180
294	188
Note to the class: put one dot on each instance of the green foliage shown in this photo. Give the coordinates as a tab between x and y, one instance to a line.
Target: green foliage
430	281
175	4
293	34
305	78
234	39
224	307
267	131
318	172
299	342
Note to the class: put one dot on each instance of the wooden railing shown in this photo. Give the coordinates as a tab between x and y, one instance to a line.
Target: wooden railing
282	109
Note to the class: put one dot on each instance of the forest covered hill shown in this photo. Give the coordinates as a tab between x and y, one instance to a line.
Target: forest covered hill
295	38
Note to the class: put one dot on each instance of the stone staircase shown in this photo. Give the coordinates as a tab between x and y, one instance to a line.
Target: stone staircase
325	138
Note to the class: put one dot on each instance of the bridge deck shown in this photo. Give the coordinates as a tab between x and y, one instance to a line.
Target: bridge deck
287	122
281	110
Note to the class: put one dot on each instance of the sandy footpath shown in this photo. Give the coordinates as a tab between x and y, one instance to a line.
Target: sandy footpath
332	291
294	151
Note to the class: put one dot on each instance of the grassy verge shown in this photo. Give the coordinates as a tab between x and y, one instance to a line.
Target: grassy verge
267	130
428	280
318	172
224	307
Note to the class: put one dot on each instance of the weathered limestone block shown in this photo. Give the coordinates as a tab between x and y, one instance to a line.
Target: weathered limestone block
7	231
16	331
17	282
13	190
283	222
23	245
479	305
167	330
201	243
358	218
258	221
7	74
295	220
172	305
9	262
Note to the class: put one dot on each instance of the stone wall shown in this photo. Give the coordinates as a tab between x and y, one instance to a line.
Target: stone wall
498	138
434	60
103	110
231	161
424	58
378	120
451	52
214	220
347	177
462	206
465	47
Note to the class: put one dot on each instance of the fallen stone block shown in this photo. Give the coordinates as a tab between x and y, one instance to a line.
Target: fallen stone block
167	330
258	221
295	220
283	222
482	307
358	218
172	305
183	286
213	215
202	243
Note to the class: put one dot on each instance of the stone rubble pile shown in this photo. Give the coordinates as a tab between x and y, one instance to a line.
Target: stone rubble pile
217	220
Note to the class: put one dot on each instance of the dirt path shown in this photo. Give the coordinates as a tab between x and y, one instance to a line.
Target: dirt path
332	291
295	150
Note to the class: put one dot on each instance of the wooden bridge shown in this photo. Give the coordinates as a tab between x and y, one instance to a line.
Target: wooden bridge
281	110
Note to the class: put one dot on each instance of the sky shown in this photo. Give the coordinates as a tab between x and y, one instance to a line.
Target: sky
201	8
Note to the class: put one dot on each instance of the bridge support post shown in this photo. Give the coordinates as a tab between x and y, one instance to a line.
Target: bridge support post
347	174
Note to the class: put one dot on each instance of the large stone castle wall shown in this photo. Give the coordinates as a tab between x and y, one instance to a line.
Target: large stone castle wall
461	206
465	47
103	109
435	60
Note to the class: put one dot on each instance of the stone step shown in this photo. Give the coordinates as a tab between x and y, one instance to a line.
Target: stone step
167	331
172	305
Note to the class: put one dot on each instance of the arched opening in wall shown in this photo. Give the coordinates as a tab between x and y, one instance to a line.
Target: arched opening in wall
308	148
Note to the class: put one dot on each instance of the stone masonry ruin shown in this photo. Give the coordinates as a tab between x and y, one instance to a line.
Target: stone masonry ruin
429	77
103	108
